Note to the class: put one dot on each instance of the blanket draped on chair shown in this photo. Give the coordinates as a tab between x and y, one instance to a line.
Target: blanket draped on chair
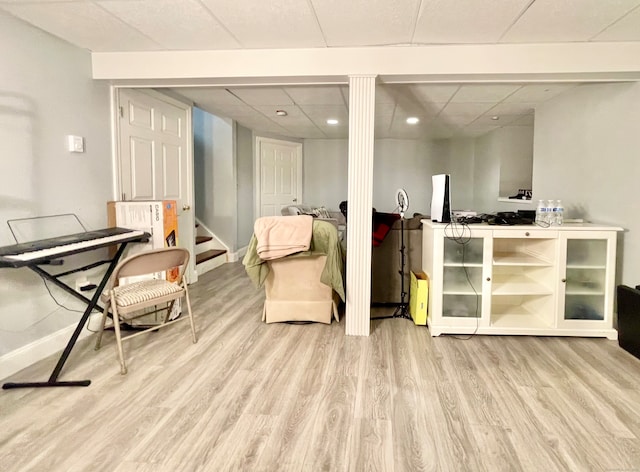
280	236
324	241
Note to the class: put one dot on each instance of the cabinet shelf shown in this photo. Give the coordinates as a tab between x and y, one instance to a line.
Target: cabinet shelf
518	285
519	260
584	292
460	264
516	319
586	267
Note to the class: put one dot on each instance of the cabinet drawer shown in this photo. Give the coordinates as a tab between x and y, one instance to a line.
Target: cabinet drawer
525	233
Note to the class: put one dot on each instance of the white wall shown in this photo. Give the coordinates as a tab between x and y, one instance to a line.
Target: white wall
215	179
586	148
324	172
46	93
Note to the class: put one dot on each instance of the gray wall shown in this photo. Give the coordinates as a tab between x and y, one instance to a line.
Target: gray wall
586	152
245	169
223	163
502	165
398	163
46	93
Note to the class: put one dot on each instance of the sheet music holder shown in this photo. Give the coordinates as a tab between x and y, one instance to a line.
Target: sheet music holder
49	251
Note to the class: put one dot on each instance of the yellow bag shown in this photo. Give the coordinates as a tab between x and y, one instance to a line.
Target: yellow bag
418	297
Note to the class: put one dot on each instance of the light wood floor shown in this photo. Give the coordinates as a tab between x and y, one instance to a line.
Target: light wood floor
255	397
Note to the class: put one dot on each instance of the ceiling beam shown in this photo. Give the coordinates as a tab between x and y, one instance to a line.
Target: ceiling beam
453	63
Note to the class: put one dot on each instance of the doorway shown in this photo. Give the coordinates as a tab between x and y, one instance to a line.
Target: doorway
154	156
278	175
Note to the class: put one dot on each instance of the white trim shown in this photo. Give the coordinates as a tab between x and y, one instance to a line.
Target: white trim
239	254
544	61
360	197
25	356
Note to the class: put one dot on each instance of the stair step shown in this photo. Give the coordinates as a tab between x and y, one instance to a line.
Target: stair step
205	256
203	239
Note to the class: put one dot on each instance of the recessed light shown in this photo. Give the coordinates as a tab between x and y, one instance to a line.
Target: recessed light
281	113
412	120
495	118
332	121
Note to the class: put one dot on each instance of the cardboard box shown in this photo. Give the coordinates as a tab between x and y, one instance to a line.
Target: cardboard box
159	219
418	297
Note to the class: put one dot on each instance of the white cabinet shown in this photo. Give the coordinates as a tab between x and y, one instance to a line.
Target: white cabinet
520	279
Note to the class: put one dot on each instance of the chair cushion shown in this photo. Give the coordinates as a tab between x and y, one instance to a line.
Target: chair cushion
144	290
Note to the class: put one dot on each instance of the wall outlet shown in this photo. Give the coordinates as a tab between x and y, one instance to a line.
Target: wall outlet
75	143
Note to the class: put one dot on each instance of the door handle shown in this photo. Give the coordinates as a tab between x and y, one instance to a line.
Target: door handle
295	200
186	207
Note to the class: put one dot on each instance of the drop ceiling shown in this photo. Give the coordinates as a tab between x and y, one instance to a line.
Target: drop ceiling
443	109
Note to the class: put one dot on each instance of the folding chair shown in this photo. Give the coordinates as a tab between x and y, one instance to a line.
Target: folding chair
127	301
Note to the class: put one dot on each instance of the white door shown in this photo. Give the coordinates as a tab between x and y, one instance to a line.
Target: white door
155	156
279	168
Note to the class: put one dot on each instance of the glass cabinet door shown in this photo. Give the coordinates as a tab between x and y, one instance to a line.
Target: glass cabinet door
586	280
462	278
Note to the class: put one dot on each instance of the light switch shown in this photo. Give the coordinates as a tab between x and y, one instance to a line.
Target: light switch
75	143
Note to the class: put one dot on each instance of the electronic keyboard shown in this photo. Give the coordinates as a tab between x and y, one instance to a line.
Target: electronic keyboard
48	249
37	254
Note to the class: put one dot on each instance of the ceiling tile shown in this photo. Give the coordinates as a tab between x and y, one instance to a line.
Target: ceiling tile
538	92
319	114
294	117
385	94
487	120
466	109
516	108
469	21
269	24
477	130
567	20
209	95
433	93
483	93
176	24
625	29
262	95
316	95
84	24
366	22
456	120
524	120
230	111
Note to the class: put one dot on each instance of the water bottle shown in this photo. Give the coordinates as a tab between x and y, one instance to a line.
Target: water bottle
559	213
540	213
549	212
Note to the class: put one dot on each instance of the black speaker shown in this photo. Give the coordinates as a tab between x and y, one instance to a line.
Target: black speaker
629	319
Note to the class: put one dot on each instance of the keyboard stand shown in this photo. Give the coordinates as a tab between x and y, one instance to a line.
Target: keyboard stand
93	304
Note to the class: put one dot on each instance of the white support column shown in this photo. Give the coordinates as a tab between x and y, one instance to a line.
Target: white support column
360	202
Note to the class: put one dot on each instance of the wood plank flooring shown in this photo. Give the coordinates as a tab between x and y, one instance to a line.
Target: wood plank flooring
255	397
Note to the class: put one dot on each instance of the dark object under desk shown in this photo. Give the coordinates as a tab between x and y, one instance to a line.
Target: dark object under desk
629	319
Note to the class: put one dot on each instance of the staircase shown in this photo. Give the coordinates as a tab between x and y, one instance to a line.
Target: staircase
209	253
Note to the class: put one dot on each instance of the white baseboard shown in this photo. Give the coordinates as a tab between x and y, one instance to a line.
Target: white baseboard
25	356
239	254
